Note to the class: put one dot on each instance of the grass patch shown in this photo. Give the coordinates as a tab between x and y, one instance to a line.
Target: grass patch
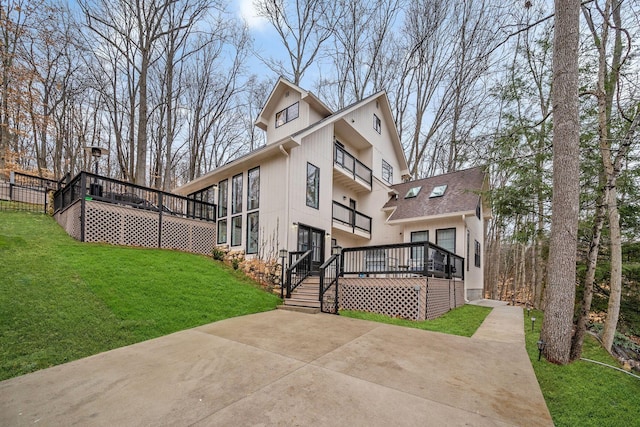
583	393
63	300
463	321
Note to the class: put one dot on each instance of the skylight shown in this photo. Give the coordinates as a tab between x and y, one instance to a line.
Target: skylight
413	192
438	191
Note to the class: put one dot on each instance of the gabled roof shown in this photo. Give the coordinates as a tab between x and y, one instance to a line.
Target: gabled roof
461	196
282	86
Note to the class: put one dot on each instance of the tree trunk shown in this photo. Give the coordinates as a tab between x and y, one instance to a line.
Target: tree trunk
560	291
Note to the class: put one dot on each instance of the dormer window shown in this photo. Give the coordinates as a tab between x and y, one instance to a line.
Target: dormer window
290	113
438	191
413	192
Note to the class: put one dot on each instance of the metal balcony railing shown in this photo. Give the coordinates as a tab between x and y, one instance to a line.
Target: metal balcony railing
351	218
352	165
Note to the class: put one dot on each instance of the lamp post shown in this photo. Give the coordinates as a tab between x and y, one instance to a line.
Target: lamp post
283	255
96	152
533	322
541	344
337	251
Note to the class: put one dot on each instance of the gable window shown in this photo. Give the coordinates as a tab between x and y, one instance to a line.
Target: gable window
222	231
236	194
290	113
253	189
477	254
438	191
377	125
387	172
222	198
413	192
417	253
236	230
252	232
313	186
478	209
446	238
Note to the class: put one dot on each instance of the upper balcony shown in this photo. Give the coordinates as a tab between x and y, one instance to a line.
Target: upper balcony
351	221
349	171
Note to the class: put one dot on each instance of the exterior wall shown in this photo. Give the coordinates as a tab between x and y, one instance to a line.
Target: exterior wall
277	133
475	275
409	298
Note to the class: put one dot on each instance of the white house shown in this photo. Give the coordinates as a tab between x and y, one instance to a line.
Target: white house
338	178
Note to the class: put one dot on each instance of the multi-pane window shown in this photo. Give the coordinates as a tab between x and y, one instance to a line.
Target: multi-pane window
222	231
236	194
313	186
387	172
377	125
236	230
417	253
446	238
252	232
253	189
290	113
477	254
223	194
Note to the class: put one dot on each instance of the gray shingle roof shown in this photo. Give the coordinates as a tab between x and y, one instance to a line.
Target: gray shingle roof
462	195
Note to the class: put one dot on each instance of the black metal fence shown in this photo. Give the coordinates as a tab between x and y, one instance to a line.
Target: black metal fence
25	192
89	186
403	259
329	276
300	268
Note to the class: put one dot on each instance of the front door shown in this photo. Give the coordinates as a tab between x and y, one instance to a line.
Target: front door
312	238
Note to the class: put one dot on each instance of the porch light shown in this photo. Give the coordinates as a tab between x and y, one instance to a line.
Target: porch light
541	344
336	250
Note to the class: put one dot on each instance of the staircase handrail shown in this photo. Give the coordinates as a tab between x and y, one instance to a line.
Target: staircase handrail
303	264
333	266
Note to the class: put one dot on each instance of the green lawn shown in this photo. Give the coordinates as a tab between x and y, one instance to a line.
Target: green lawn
583	393
62	300
461	321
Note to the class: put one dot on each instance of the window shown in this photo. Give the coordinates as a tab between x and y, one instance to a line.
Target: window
253	189
222	198
438	191
236	231
417	253
313	186
478	209
446	238
387	172
199	210
413	192
236	194
477	254
290	113
377	125
252	232
222	231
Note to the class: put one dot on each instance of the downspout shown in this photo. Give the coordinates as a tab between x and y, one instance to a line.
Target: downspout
467	255
287	225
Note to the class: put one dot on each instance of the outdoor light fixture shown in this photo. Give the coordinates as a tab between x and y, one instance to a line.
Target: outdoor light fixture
96	152
283	255
533	322
336	250
541	345
528	311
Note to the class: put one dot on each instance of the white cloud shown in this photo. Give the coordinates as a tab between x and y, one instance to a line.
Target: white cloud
249	14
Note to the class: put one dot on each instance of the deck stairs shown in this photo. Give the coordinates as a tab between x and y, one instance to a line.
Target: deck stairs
305	297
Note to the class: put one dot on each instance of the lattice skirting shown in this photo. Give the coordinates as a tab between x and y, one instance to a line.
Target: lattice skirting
410	298
122	225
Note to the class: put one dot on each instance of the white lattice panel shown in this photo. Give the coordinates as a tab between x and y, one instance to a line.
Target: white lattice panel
176	234
388	296
203	236
140	229
103	223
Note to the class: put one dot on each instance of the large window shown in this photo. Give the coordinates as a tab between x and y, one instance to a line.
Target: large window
252	232
387	172
417	253
477	254
253	189
446	238
236	230
223	194
313	186
222	231
290	113
236	194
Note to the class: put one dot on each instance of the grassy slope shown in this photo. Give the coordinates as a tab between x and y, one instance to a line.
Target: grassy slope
583	393
62	300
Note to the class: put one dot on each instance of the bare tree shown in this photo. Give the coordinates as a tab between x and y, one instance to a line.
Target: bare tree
560	290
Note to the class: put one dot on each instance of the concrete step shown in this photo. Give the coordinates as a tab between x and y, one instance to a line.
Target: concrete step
308	310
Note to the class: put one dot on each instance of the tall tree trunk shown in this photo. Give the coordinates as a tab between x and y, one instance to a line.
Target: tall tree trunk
560	291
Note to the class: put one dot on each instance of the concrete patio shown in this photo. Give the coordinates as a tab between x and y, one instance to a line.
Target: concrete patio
288	368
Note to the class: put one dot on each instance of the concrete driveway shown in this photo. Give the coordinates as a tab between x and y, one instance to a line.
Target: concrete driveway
293	369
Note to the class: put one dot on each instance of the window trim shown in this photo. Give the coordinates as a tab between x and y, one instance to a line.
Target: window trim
288	116
454	238
377	123
226	233
249	232
316	175
387	167
233	242
236	198
477	259
250	207
223	204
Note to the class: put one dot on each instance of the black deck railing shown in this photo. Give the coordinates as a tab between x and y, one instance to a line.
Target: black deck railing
403	259
329	276
300	268
89	186
349	163
25	192
351	218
